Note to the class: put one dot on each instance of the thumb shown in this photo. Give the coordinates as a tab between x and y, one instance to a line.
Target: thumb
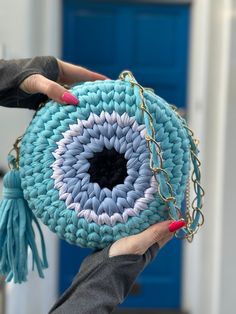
140	243
155	234
37	83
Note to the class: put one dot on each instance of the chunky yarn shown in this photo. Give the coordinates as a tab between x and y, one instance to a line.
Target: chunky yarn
17	235
85	169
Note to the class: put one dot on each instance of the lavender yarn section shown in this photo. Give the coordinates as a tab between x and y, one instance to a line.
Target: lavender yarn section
80	142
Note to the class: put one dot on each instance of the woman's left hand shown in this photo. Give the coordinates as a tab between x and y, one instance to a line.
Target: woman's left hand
68	74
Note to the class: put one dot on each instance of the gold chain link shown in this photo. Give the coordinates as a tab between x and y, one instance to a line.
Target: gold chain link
196	185
16	149
189	218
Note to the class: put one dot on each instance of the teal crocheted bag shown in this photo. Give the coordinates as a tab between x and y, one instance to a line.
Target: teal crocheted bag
94	173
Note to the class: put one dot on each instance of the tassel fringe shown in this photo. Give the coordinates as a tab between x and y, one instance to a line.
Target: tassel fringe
17	233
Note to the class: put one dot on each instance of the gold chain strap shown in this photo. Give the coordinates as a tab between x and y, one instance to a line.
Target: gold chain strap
15	149
196	210
197	213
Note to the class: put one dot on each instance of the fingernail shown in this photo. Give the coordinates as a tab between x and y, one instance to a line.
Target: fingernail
176	225
69	98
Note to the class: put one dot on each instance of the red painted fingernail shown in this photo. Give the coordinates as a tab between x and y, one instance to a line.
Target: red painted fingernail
176	225
69	98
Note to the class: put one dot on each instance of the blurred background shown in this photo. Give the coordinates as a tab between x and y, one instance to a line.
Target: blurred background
186	51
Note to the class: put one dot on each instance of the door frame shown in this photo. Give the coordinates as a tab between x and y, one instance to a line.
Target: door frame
209	114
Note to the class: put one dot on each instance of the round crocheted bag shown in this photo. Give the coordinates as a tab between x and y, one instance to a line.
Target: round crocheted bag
108	168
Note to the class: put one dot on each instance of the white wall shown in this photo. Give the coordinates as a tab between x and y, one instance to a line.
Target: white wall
28	28
209	281
197	105
227	302
13	27
14	43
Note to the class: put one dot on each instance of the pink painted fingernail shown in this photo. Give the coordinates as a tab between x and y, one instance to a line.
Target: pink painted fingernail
69	99
176	225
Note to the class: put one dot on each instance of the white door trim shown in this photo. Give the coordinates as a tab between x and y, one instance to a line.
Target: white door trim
208	103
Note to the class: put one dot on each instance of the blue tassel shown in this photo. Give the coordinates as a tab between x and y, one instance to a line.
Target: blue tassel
16	231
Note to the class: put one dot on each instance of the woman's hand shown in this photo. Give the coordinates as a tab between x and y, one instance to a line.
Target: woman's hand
160	233
68	74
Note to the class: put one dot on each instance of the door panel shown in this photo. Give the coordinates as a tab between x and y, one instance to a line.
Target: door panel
152	41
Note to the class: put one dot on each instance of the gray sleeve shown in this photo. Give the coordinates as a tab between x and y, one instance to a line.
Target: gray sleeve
13	72
102	282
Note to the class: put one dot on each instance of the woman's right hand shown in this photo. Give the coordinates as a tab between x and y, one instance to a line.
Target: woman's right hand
160	233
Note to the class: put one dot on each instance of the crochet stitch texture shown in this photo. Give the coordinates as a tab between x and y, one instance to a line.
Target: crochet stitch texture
59	154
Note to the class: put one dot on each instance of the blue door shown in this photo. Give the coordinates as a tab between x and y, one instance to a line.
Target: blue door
152	41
